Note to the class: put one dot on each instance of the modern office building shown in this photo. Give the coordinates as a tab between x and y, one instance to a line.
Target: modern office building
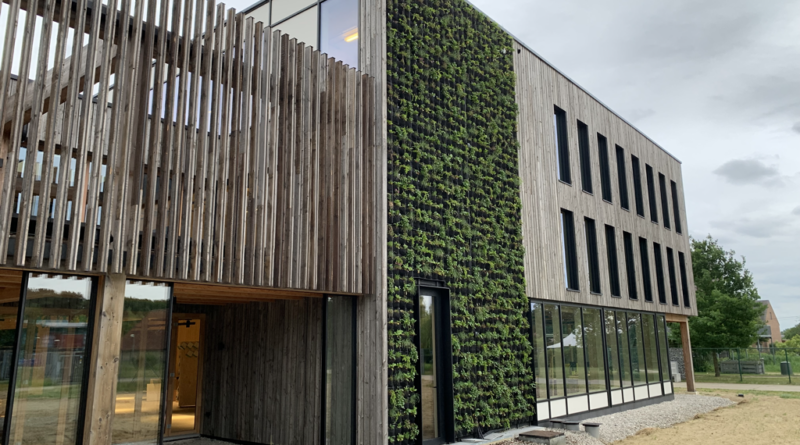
319	221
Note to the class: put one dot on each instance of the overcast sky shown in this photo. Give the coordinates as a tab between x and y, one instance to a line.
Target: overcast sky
717	84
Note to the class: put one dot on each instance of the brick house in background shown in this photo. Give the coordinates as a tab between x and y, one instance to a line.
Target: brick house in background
771	332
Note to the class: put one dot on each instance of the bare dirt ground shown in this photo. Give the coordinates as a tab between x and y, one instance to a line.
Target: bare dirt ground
758	418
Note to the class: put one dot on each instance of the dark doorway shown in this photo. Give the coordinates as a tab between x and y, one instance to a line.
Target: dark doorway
184	394
435	380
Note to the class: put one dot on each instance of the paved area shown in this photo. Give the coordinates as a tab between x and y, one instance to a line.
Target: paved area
737	386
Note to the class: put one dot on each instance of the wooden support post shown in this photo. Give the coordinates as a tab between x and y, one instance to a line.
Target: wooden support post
102	388
686	342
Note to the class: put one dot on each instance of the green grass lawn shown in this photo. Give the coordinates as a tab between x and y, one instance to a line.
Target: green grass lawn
753	379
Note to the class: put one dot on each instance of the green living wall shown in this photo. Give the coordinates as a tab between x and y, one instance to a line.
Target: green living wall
454	211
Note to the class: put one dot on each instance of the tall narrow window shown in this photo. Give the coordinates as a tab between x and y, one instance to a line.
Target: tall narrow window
569	250
676	209
562	145
673	283
648	290
684	282
630	266
662	182
552	339
662	293
651	193
622	177
586	160
637	185
605	169
613	266
573	346
340	345
591	254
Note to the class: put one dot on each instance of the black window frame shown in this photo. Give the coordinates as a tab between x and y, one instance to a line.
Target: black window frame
605	168
651	193
562	145
592	256
622	179
637	185
676	209
585	157
630	265
613	261
662	185
684	281
570	250
660	281
673	282
646	278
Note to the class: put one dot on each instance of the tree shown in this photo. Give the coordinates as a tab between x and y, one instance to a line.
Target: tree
792	343
728	311
791	333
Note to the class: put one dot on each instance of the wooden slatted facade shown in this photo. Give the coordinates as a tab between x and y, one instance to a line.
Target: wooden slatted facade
539	89
227	153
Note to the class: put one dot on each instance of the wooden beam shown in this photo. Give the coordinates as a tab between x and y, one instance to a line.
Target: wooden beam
688	365
105	366
676	318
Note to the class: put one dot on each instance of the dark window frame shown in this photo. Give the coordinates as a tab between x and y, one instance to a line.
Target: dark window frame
570	250
676	209
585	157
660	282
630	265
605	168
562	145
684	280
662	185
637	185
673	283
646	278
622	179
651	193
613	261
593	258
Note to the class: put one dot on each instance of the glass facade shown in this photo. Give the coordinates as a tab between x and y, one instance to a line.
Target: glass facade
339	370
142	359
586	351
328	25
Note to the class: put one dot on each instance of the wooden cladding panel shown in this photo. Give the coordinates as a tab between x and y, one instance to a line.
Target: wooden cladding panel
254	174
539	89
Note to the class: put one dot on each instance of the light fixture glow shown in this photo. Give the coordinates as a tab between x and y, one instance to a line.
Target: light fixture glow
351	37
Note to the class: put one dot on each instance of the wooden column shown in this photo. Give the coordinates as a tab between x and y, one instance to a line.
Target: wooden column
102	388
686	342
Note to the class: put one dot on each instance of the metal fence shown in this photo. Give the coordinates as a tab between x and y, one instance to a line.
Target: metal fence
766	365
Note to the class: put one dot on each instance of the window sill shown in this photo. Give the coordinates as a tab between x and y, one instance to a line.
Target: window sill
587	192
654	222
608	202
565	182
577	291
616	296
599	294
627	210
640	216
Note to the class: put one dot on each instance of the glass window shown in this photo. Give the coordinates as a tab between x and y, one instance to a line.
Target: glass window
552	336
624	350
142	359
537	328
612	350
662	346
339	377
339	30
593	335
637	349
569	250
302	27
284	8
650	348
10	284
51	360
562	146
572	339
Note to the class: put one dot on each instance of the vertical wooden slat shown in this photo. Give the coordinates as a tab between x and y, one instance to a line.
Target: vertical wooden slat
29	177
243	148
282	160
229	228
8	152
261	146
272	144
97	147
324	173
313	194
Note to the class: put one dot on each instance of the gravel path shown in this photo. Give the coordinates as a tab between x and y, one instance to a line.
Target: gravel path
618	426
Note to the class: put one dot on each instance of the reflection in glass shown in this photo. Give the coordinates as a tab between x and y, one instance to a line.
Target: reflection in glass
552	336
624	350
9	308
612	350
427	330
572	339
662	345
593	334
339	30
538	351
302	27
185	361
650	348
50	365
637	350
142	359
339	371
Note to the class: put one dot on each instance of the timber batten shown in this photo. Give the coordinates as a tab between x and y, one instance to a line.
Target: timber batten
264	182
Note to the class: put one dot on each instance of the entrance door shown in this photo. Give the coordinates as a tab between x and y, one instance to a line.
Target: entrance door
183	404
435	366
